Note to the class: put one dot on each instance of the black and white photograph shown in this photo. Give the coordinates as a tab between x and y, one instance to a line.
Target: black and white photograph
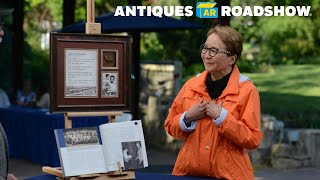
81	73
109	84
81	136
132	155
109	59
84	91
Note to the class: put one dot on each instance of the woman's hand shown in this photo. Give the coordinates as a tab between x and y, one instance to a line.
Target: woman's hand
213	110
198	111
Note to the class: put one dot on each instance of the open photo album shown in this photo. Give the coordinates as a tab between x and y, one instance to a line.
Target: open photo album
91	150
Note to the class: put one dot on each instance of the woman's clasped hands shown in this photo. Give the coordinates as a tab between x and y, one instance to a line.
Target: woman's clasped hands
203	108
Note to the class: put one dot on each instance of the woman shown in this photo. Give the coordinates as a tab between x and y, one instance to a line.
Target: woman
217	113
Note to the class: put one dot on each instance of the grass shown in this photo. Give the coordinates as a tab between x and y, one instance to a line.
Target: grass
291	93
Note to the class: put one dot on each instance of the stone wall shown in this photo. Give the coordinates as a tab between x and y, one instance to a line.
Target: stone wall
300	148
286	148
310	141
160	79
160	83
272	130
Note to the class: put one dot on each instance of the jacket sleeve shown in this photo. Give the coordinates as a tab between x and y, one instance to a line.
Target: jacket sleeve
172	124
245	131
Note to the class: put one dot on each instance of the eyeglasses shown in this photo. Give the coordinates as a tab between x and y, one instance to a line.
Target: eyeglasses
212	51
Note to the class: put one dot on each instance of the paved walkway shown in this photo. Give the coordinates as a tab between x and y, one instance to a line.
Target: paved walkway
162	162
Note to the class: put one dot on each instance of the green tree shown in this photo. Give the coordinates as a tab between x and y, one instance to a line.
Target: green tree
289	44
278	40
182	45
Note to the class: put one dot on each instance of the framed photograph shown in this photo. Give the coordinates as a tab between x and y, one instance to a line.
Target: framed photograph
109	59
109	84
81	67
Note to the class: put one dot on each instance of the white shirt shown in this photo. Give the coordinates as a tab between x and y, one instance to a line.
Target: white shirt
4	100
44	101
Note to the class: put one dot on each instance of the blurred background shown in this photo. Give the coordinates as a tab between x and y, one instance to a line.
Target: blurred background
280	53
281	56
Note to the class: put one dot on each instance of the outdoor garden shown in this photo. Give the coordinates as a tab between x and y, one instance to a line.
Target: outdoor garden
281	54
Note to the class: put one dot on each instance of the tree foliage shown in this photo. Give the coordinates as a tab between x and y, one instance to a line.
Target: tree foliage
268	40
41	17
181	45
279	40
290	43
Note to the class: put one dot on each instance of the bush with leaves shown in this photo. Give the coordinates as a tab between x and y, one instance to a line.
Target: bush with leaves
286	40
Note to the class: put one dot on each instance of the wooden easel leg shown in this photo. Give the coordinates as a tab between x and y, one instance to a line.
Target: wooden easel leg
111	119
67	121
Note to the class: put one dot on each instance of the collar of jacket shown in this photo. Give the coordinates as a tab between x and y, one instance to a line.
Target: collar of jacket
232	87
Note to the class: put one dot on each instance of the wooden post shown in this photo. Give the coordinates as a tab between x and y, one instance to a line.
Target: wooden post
91	26
67	121
90	11
112	119
68	116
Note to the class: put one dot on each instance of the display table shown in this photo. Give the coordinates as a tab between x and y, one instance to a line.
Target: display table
139	176
30	132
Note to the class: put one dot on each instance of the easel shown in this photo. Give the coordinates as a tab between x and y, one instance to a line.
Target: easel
91	28
112	175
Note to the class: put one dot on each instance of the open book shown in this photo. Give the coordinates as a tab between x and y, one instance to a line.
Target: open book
99	149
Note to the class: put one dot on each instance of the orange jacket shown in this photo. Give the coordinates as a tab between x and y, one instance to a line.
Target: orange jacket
217	151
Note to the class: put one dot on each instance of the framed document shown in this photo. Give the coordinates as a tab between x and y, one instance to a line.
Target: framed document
90	73
81	70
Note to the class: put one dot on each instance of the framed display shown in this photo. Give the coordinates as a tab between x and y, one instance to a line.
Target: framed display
90	73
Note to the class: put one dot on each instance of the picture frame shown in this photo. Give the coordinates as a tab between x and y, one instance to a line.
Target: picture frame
78	63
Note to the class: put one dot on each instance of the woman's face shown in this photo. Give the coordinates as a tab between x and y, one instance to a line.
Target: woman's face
220	63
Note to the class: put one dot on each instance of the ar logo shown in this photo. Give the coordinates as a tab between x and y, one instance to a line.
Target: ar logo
206	10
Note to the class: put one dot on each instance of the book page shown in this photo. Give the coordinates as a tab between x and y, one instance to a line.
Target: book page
124	142
80	151
83	160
